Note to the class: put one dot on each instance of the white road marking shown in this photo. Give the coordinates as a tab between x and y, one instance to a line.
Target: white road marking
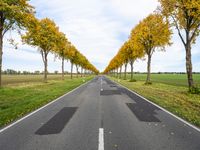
101	139
180	119
37	110
101	85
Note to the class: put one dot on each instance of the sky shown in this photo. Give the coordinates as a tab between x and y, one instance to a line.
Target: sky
97	28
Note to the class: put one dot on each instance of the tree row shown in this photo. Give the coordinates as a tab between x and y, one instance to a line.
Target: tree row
43	34
154	33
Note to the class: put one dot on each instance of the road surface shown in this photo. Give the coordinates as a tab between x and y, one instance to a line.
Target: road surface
100	115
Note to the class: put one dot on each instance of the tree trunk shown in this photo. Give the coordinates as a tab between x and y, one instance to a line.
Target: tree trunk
81	71
148	69
1	55
125	71
76	71
120	72
71	70
45	66
1	44
84	72
117	73
131	63
63	73
189	66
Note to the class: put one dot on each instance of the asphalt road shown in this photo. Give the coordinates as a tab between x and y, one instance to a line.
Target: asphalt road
100	115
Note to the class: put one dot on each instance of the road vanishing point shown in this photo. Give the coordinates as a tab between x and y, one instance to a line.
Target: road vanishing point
100	115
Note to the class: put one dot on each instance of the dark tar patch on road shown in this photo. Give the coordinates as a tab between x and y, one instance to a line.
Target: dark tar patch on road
113	86
110	92
143	112
56	124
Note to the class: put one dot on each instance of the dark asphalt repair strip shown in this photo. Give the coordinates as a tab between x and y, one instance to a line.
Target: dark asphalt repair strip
110	92
143	112
56	124
113	86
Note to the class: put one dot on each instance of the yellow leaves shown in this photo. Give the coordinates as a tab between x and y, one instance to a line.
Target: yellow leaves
43	33
181	12
14	14
151	33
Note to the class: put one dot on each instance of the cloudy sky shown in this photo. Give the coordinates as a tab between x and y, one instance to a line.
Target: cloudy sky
97	28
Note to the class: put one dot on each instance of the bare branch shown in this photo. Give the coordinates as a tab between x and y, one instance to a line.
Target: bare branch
179	32
194	33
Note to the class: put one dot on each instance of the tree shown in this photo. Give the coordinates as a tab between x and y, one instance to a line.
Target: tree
133	52
124	55
44	36
185	16
62	49
12	15
151	34
77	60
72	54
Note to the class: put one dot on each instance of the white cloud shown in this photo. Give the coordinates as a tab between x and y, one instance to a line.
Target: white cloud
134	9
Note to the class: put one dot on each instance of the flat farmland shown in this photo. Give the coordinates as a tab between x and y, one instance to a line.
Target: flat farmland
20	79
171	79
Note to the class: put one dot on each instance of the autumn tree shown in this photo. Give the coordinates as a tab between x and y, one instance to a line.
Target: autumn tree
72	57
184	15
43	36
133	52
151	34
120	63
62	49
83	63
77	61
124	56
12	15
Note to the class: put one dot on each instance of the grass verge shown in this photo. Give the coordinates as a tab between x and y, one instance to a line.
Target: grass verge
175	99
15	102
170	79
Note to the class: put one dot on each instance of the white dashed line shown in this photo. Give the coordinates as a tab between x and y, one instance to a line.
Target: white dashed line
101	85
101	139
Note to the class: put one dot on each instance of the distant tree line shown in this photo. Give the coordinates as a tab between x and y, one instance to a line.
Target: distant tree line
14	72
37	72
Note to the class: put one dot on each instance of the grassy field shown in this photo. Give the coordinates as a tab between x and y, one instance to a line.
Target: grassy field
16	101
8	80
170	79
172	96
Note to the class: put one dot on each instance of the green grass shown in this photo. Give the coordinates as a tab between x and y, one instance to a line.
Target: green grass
174	98
8	80
16	101
170	79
